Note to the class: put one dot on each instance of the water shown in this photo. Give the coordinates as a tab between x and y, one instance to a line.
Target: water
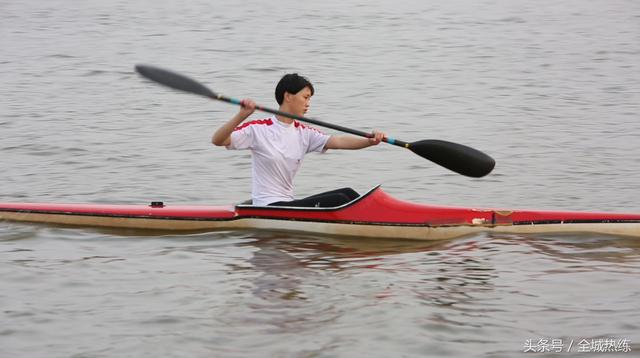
550	89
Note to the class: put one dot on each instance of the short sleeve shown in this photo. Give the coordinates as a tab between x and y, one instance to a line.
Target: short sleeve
317	140
241	138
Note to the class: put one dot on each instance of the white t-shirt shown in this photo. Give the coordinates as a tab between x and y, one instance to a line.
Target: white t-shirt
277	150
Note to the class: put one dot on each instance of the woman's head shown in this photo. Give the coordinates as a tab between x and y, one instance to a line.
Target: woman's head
291	83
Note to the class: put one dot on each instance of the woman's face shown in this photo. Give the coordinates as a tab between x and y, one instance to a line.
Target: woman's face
299	102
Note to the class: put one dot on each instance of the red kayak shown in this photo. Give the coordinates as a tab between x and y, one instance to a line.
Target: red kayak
374	214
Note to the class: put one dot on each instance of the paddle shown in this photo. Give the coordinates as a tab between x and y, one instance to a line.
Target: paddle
456	157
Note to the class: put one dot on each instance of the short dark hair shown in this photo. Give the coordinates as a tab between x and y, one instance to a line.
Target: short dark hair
292	83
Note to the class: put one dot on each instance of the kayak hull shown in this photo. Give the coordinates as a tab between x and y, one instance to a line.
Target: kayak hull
375	214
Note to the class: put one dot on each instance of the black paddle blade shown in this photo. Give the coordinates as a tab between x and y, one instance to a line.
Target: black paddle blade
174	80
456	157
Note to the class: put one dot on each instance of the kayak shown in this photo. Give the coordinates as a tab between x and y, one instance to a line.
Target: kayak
374	214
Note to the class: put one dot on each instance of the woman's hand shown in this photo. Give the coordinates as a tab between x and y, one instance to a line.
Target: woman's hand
377	137
247	107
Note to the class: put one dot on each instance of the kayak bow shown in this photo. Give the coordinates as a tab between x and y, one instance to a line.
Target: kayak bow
374	214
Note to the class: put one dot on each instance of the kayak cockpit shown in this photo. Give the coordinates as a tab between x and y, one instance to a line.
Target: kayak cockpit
373	207
247	204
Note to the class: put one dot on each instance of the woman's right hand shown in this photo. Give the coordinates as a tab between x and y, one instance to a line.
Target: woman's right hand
247	107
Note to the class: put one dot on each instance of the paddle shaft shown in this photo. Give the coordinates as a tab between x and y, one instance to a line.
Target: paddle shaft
313	121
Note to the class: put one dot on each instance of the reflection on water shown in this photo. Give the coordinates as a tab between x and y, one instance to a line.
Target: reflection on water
588	248
285	261
239	293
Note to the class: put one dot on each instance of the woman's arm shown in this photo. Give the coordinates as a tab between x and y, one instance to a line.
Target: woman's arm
222	137
352	142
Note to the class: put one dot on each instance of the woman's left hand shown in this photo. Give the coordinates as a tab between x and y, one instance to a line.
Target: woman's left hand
377	137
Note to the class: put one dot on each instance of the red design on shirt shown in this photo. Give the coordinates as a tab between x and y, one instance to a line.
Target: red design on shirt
267	121
298	124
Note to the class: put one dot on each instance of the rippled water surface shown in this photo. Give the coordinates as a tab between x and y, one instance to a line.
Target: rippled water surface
550	89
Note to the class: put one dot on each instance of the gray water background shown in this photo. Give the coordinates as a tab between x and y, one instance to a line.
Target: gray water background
550	89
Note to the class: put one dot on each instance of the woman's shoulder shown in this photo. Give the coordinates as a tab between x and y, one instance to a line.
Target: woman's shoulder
306	128
255	123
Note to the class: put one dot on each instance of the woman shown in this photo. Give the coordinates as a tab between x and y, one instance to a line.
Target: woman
278	145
